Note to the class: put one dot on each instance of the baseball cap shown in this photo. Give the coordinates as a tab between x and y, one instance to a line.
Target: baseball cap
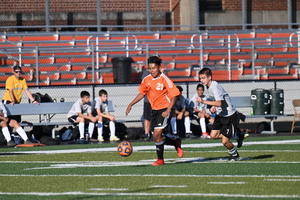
17	67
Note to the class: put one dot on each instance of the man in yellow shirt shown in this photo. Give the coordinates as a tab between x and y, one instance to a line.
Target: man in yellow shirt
14	88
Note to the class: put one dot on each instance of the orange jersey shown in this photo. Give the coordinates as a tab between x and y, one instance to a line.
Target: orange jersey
160	90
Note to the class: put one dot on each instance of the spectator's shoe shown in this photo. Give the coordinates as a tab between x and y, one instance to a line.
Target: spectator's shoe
205	136
100	139
159	162
178	148
114	139
234	158
241	136
190	135
11	143
147	137
27	142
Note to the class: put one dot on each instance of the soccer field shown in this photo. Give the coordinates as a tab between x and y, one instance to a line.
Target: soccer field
269	168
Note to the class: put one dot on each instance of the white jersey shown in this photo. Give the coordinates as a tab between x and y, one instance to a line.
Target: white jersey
195	104
217	93
78	107
98	104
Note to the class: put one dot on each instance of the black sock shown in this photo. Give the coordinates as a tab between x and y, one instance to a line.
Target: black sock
160	151
170	141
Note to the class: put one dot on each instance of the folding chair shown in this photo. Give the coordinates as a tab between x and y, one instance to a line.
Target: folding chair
296	105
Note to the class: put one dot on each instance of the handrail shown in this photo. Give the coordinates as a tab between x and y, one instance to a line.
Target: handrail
20	50
291	44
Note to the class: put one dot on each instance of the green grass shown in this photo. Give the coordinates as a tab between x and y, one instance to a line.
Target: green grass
267	170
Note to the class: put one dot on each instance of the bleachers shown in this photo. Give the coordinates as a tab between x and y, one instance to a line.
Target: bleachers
68	58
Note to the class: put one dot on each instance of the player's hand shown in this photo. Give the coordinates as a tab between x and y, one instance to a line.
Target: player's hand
213	109
36	102
165	114
12	103
94	119
199	100
128	110
112	118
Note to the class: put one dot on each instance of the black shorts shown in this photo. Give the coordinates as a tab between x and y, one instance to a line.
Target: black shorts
147	111
7	121
227	125
72	119
158	121
15	117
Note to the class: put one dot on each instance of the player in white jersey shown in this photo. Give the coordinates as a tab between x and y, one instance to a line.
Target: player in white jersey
100	109
81	113
225	126
199	110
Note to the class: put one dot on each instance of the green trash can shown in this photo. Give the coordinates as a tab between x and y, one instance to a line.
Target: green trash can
260	102
276	101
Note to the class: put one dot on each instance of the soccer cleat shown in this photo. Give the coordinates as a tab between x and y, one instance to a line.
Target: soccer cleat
158	162
11	143
234	158
100	139
114	138
241	139
178	148
27	142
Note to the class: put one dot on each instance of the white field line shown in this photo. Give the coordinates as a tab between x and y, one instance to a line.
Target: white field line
167	186
225	183
150	194
152	147
109	189
296	177
281	179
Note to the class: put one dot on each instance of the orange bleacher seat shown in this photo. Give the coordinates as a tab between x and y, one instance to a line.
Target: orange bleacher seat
40	38
285	56
47	68
154	36
78	68
63	82
278	70
108	78
66	76
246	35
182	65
65	68
182	73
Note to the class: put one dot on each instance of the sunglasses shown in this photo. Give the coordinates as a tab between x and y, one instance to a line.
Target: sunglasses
18	71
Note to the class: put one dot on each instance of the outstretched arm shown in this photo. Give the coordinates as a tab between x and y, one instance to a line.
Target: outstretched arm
139	97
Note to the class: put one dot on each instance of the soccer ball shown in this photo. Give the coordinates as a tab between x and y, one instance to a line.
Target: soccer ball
124	149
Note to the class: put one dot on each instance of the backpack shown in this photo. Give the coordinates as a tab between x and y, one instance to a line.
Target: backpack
41	97
48	140
67	134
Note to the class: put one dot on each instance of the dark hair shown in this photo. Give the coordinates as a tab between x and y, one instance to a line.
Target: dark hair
101	92
17	67
84	94
179	88
154	59
200	86
205	71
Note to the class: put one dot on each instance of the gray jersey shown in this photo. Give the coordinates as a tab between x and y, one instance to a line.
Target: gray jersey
78	107
195	104
217	92
180	103
98	104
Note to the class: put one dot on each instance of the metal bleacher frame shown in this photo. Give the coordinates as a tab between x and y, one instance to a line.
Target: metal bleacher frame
85	58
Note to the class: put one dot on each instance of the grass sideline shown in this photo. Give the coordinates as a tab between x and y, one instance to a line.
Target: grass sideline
269	169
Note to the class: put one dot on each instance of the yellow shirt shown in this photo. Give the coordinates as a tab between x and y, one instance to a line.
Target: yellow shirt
18	85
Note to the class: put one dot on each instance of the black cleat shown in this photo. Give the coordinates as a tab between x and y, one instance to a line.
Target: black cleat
241	136
234	158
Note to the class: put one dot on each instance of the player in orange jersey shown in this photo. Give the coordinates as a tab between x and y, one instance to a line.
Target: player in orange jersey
162	94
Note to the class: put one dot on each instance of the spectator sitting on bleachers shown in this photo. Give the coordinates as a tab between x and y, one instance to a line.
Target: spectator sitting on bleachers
180	112
199	110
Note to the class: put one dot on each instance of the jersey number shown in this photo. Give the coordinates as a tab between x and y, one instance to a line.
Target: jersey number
160	86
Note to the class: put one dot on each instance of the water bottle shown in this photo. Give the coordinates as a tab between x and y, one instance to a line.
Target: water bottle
62	100
251	110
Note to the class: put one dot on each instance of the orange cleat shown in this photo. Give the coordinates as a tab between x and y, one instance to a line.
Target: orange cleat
178	148
159	162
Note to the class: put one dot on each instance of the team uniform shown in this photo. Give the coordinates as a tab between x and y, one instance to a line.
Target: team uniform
103	106
78	107
226	116
160	90
199	106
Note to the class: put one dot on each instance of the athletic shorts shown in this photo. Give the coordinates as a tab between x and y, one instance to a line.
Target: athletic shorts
15	117
227	125
72	119
158	121
147	111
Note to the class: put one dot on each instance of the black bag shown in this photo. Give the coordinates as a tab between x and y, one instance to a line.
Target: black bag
41	97
262	126
48	140
40	131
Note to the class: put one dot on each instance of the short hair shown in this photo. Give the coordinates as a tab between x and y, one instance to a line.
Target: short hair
154	59
205	71
179	88
102	91
84	94
200	86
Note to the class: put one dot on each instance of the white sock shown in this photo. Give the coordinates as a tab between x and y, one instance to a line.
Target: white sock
6	134
22	133
173	124
91	129
203	125
100	129
112	128
187	124
81	129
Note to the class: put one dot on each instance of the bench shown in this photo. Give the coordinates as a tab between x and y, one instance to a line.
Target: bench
46	111
245	102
